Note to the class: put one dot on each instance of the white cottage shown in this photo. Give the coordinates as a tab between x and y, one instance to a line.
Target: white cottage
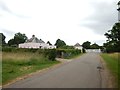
78	46
34	42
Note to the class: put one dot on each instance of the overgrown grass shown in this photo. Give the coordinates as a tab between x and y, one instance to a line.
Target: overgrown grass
21	63
112	61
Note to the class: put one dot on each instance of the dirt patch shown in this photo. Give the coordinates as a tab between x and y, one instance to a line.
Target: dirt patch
25	68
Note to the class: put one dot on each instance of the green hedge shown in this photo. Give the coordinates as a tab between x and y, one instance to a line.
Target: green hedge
66	53
51	54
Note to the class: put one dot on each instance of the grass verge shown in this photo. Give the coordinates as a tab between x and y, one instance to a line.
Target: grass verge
21	63
112	64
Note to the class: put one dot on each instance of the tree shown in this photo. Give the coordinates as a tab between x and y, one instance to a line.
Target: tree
67	47
11	42
86	45
95	46
18	38
2	39
60	43
113	42
48	42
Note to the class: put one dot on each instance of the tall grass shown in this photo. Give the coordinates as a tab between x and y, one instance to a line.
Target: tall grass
21	63
112	62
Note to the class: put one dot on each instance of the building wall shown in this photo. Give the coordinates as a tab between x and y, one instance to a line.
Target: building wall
93	50
78	47
36	45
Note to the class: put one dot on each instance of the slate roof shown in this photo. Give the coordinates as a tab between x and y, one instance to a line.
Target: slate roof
77	45
34	40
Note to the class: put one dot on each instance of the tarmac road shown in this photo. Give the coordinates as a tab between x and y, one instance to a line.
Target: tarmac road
79	73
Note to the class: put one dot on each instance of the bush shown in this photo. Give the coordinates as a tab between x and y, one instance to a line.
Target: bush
66	53
50	54
83	50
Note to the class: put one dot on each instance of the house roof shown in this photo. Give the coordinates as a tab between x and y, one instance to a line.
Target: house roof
34	40
77	45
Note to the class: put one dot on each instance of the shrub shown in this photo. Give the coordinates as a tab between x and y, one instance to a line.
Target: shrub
83	50
66	53
50	54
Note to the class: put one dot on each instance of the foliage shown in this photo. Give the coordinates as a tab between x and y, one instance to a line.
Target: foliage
67	47
83	50
50	54
113	42
11	42
94	46
60	43
18	38
2	39
67	53
86	45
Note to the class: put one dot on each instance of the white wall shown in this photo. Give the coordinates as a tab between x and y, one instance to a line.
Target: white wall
78	47
36	45
93	50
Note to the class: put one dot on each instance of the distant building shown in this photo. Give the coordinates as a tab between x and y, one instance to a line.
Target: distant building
78	46
34	42
93	50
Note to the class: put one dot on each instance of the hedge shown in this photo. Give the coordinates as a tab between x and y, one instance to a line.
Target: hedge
51	54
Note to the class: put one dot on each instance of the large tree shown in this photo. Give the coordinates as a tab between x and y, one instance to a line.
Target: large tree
2	39
86	45
60	43
18	38
113	42
95	46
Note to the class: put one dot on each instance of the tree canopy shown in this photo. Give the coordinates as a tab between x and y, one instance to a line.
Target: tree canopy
60	43
113	42
2	39
86	45
18	38
94	46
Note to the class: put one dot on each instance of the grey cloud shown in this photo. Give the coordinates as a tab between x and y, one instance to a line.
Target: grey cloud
7	32
5	8
103	18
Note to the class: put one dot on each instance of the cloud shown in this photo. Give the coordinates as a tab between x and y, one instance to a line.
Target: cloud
4	7
8	33
70	20
103	17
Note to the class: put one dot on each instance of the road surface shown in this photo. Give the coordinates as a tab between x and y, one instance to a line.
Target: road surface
79	73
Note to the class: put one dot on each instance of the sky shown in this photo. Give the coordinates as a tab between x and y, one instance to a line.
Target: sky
74	21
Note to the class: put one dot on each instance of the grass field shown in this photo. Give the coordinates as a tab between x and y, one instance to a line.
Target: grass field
112	61
21	63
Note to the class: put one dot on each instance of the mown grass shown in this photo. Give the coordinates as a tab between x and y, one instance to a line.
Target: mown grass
112	61
21	63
